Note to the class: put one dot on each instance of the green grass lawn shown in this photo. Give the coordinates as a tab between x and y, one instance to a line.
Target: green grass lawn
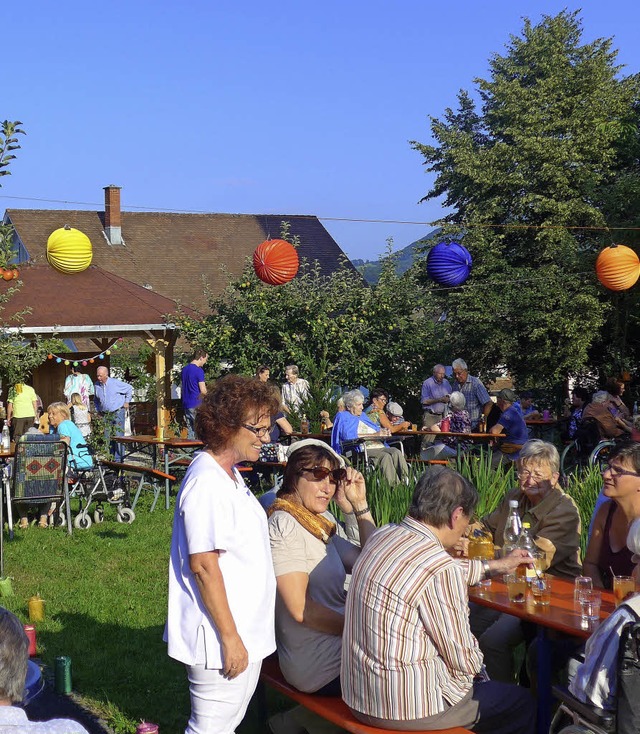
105	592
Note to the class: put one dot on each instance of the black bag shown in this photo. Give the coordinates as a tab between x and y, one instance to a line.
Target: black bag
628	696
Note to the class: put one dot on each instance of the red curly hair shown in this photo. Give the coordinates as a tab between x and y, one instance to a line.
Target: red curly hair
229	403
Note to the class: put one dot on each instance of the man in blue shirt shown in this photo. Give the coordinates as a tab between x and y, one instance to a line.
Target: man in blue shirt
112	398
193	388
512	424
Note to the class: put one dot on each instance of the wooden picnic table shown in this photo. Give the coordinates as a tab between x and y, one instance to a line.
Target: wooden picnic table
561	615
181	448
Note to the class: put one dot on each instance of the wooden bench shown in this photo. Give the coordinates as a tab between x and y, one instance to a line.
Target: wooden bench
330	708
430	462
148	476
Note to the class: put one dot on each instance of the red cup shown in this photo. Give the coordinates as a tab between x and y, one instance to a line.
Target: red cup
30	632
445	424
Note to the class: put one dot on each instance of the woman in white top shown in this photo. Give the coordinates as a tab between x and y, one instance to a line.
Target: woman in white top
221	582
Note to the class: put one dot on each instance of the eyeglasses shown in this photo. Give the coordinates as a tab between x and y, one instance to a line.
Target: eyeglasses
617	471
321	472
259	432
524	475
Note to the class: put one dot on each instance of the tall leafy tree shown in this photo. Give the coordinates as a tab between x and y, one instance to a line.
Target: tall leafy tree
521	169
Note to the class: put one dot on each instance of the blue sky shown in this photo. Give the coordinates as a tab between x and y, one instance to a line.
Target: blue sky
254	107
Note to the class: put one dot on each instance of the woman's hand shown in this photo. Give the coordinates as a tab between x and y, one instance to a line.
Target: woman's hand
351	494
235	658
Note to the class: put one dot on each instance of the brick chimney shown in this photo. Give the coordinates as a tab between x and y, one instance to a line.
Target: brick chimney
112	215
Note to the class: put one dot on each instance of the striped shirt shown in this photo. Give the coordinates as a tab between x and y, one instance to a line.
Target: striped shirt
407	649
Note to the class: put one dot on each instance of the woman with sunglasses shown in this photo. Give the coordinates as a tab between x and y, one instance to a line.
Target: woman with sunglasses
311	558
221	584
607	551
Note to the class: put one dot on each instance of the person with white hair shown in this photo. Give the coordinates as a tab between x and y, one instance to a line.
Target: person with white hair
459	422
352	424
14	657
479	402
610	425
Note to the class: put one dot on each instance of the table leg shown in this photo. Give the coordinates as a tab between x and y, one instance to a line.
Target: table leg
167	482
544	681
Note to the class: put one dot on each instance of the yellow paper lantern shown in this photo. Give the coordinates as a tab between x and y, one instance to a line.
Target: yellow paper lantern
69	250
618	267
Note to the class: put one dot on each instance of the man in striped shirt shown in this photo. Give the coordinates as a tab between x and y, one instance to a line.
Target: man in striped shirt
409	660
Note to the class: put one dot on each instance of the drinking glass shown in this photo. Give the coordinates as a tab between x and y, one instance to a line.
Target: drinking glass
590	600
622	586
516	588
541	589
582	583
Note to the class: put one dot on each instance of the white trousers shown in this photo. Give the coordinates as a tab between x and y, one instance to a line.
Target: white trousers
218	705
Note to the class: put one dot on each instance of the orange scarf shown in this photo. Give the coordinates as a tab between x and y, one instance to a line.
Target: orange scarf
317	525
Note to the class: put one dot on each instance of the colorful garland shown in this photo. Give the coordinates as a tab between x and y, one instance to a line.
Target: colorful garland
85	362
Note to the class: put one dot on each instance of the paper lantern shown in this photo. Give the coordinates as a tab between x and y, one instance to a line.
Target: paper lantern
69	250
449	263
275	262
618	267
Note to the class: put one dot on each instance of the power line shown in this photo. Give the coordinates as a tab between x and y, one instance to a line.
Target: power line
437	223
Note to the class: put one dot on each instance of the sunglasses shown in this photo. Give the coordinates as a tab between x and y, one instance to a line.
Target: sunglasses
321	472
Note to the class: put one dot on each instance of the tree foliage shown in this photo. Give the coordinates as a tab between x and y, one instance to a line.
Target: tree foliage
534	159
336	328
18	358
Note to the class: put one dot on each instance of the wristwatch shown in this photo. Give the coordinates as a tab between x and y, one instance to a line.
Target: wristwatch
487	570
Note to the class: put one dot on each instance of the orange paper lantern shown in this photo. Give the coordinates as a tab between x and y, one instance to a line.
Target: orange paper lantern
275	262
618	267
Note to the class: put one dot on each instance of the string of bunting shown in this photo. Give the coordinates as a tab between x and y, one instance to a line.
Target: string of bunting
88	360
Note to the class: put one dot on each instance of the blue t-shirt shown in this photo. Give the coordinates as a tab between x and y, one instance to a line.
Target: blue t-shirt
515	429
77	445
191	376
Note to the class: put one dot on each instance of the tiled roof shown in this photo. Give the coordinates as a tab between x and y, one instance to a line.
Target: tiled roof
176	253
93	297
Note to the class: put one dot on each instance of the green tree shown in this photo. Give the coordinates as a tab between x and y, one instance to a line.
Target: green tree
336	328
519	171
18	357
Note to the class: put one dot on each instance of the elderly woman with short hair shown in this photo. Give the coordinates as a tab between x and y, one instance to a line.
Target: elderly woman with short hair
459	422
555	528
221	583
352	424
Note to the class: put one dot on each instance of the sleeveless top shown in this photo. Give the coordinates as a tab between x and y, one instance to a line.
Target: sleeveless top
619	561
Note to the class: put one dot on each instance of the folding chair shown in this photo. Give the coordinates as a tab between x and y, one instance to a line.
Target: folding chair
39	474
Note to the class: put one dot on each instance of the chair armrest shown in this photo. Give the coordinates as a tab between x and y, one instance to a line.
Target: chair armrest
605	719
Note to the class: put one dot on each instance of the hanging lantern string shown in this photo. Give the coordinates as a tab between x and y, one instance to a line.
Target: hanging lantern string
489	225
87	360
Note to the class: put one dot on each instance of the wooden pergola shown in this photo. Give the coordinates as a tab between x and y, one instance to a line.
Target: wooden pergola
105	308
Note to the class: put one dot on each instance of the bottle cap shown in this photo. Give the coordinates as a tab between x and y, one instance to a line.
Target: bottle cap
513	504
526	524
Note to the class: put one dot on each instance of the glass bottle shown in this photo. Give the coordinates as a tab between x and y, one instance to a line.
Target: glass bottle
304	424
6	437
525	542
512	528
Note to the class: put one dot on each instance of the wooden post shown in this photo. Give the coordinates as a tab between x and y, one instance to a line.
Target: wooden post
159	347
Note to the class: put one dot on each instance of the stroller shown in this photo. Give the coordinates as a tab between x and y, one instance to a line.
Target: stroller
99	487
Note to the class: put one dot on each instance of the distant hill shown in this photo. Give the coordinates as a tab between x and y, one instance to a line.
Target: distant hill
370	269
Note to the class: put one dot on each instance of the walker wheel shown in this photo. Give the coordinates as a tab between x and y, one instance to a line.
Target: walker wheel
98	515
82	522
126	515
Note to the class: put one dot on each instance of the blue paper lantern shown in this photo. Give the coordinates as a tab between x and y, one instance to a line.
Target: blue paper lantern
449	263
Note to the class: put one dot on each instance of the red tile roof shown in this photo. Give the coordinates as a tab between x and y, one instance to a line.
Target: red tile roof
176	254
93	297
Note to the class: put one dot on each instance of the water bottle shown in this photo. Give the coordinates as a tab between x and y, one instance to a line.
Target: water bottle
6	437
525	542
304	424
511	529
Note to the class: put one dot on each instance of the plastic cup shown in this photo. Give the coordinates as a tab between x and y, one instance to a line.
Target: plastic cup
414	426
541	589
622	587
516	588
581	583
590	606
